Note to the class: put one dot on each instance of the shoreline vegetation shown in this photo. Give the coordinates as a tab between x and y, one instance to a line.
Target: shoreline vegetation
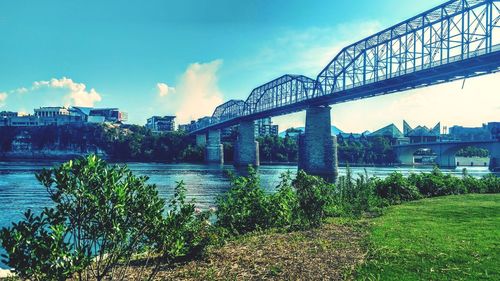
110	224
133	143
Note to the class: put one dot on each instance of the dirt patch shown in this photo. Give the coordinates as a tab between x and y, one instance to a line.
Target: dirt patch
330	252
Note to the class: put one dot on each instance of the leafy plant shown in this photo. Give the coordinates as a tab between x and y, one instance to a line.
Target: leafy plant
314	197
396	189
244	207
103	215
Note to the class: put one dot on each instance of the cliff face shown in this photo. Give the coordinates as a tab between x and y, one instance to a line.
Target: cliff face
52	142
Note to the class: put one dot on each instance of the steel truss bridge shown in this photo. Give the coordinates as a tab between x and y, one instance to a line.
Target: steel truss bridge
456	40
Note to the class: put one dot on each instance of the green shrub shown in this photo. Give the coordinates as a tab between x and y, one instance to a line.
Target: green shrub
396	189
37	248
283	205
438	184
315	196
244	207
491	183
355	196
186	230
103	216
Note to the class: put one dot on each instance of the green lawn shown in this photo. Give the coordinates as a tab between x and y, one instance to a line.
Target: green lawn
444	238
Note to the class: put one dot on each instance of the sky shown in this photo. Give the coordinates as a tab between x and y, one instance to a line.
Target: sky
186	57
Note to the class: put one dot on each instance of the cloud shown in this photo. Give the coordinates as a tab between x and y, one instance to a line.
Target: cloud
163	89
196	93
77	95
3	97
53	92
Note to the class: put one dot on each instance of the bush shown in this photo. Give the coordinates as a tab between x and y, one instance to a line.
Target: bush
314	196
283	205
491	183
437	184
353	197
396	189
186	230
300	203
244	207
103	216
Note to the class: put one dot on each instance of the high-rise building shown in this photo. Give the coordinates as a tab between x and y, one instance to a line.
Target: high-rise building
265	127
160	124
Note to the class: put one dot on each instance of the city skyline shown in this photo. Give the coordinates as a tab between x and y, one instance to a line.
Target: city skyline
185	59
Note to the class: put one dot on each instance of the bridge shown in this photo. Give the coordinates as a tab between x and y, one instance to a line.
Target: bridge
456	40
446	151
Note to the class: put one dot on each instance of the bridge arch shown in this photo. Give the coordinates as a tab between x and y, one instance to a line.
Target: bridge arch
282	91
229	110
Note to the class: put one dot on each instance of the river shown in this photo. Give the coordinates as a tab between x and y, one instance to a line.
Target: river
20	190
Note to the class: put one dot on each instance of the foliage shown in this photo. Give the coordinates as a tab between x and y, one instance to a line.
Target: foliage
103	217
396	189
437	183
186	230
471	151
376	150
277	149
123	143
300	203
244	207
314	197
37	248
352	196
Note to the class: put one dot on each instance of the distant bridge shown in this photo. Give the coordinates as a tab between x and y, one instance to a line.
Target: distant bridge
455	40
446	151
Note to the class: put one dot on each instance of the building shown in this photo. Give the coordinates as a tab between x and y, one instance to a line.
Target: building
51	111
422	134
5	117
391	132
99	115
265	127
8	114
159	124
486	132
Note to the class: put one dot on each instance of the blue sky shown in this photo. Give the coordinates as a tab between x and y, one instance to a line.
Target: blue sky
186	57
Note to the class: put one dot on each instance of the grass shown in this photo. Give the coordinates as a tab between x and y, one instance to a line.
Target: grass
443	238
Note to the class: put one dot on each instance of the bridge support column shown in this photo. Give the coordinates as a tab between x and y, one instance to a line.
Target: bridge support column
246	149
214	151
201	140
495	157
317	146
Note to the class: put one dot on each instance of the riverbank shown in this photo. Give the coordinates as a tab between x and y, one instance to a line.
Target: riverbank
407	242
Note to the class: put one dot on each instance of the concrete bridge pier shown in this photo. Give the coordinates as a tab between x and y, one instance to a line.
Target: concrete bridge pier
495	159
246	149
201	140
317	146
214	151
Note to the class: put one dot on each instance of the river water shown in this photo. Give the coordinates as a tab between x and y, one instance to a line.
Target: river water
20	190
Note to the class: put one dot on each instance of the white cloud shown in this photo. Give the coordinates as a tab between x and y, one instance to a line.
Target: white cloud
195	95
53	92
77	95
3	97
163	89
